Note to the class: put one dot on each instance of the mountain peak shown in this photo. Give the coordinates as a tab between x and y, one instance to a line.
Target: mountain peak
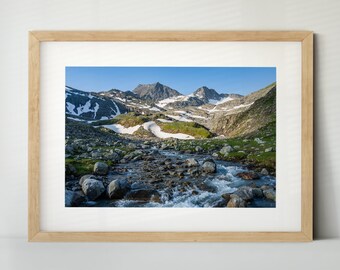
155	91
206	94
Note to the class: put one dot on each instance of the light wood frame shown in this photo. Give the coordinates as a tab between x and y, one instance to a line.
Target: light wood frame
306	233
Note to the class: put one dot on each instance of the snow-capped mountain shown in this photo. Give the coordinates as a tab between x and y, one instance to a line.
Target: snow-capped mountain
206	94
153	98
90	106
205	106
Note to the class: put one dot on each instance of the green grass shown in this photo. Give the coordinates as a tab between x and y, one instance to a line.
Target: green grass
83	166
189	128
246	150
237	156
267	159
131	119
127	120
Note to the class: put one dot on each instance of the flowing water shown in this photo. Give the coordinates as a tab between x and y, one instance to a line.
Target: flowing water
224	181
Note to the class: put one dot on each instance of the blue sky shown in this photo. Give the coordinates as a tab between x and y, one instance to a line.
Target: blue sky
240	80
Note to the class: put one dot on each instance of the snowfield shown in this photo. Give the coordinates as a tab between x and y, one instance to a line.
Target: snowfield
156	130
150	126
75	119
121	129
120	99
224	100
164	102
232	109
196	116
164	120
155	109
179	118
240	106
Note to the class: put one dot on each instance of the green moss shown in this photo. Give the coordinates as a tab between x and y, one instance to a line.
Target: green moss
131	119
190	128
237	156
83	166
266	159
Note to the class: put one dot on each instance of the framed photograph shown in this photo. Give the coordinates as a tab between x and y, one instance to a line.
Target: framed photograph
170	136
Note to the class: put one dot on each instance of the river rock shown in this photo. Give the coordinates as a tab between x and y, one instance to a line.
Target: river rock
96	154
270	149
70	169
248	175
131	146
192	162
137	158
92	188
194	171
142	195
118	188
220	203
198	149
264	171
270	194
84	177
101	168
236	201
155	198
245	193
164	146
264	187
226	197
111	156
257	192
209	166
73	198
226	150
69	149
215	155
207	186
259	141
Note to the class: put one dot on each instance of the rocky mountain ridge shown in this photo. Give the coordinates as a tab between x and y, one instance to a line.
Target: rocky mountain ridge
223	114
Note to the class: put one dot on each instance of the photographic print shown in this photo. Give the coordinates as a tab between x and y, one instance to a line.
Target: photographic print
170	137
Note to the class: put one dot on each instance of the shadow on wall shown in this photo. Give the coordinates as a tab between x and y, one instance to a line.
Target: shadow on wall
325	213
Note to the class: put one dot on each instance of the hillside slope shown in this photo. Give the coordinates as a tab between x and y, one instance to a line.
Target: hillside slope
259	114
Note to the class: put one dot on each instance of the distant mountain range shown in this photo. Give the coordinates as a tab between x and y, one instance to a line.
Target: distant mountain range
224	114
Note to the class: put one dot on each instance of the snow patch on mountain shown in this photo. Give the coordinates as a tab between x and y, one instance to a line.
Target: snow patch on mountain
155	109
240	106
221	101
215	109
70	108
150	126
117	108
164	102
181	118
121	129
156	130
164	120
75	119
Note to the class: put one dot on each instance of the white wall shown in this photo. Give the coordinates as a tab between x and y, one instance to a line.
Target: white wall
18	17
